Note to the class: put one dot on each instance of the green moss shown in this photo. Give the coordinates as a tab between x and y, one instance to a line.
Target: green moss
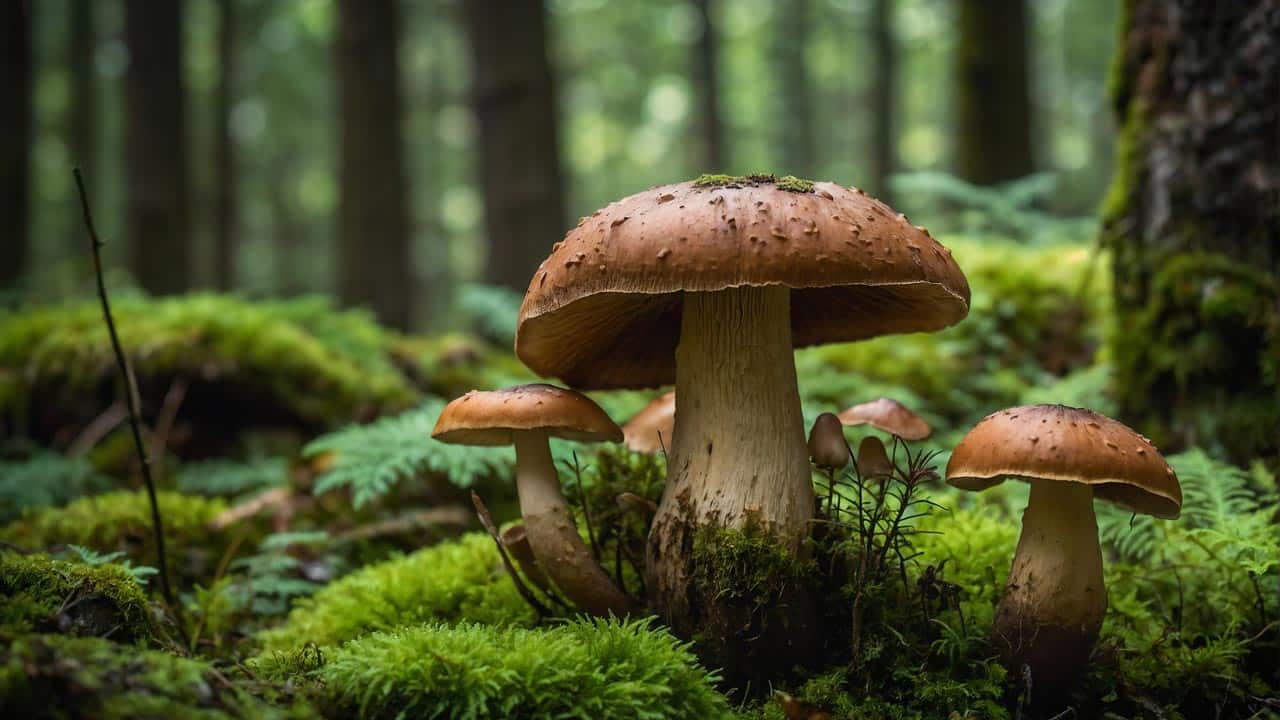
43	595
790	183
455	581
121	521
745	564
299	362
44	676
585	669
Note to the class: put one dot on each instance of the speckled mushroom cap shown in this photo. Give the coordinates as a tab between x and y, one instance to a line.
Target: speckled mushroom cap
888	415
654	425
490	417
603	310
1055	442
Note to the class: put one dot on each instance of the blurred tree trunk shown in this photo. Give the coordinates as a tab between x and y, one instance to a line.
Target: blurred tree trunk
707	87
224	182
375	266
794	117
84	97
884	139
156	147
1193	220
515	108
993	96
15	140
438	283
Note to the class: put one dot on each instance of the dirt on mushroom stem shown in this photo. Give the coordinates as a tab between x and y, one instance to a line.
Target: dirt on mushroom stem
738	460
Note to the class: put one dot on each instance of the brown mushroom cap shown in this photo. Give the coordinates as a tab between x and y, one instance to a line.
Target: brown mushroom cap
1055	442
490	417
648	430
890	416
603	310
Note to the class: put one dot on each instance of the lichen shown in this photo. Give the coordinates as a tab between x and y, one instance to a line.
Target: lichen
56	677
790	183
44	595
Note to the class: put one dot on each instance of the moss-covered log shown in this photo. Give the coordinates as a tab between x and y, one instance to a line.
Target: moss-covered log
1193	218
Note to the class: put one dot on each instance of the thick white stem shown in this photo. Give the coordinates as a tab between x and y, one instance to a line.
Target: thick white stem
1055	599
739	455
553	534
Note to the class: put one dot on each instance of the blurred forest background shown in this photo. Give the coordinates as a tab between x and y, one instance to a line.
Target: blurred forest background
392	153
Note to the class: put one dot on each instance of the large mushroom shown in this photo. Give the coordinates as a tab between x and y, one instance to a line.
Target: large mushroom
710	284
1055	598
526	416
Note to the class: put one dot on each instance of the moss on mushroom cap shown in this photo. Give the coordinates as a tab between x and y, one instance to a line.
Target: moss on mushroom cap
790	183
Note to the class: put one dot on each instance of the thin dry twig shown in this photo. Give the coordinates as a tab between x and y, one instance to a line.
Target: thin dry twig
131	385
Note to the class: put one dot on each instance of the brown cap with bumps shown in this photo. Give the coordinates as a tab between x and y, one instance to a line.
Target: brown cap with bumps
1055	442
603	310
490	417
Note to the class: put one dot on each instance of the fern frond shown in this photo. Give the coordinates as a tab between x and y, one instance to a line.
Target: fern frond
46	479
370	459
229	477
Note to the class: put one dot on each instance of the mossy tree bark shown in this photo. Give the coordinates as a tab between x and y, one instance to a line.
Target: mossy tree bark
15	138
706	85
156	206
515	108
993	97
1193	220
375	267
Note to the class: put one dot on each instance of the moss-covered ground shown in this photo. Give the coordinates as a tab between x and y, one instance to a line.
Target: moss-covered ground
349	581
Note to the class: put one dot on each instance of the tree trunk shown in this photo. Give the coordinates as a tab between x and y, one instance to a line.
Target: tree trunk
375	267
156	148
993	97
707	87
515	108
84	98
1193	220
15	140
884	139
793	118
224	183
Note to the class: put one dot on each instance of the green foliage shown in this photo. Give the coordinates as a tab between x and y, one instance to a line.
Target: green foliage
49	676
93	558
45	595
452	582
121	521
587	669
1007	210
369	459
492	310
291	358
231	477
45	479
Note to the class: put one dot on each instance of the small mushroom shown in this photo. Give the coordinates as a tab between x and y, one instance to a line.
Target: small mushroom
650	430
526	416
1055	599
827	446
873	460
890	416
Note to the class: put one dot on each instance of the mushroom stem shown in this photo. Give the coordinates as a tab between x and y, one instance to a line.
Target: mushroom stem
516	541
1055	598
739	456
553	534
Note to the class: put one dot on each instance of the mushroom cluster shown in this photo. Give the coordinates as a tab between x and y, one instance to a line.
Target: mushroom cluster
710	285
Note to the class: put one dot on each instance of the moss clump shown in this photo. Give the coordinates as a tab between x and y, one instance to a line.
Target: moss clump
585	669
44	595
748	564
452	582
790	183
50	676
299	363
121	521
